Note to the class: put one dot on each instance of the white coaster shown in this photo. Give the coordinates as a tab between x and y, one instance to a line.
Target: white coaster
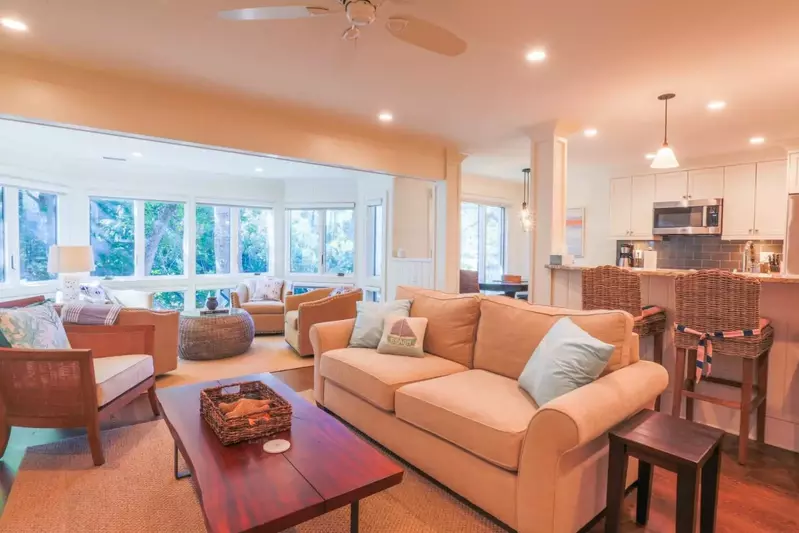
277	446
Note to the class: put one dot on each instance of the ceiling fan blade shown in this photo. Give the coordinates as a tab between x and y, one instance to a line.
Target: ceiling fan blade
427	35
276	13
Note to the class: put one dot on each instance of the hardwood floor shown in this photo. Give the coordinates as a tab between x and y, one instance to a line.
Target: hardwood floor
761	497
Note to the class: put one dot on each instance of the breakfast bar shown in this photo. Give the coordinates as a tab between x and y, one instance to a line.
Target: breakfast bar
778	302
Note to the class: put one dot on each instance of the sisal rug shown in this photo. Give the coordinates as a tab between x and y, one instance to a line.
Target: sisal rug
57	490
268	353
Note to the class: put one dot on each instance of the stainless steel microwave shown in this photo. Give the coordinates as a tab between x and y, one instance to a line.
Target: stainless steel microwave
687	217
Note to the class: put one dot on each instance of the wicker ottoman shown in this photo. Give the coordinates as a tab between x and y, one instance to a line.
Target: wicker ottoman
205	337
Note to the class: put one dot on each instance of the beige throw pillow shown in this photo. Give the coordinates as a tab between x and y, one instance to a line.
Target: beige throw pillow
403	336
267	289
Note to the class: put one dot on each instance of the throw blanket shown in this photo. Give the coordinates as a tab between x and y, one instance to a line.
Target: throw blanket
89	314
704	348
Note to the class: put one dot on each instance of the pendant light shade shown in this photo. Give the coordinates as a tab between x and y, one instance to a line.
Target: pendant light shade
526	216
665	157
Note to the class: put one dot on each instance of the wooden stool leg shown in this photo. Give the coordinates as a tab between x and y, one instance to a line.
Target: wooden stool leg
762	388
617	477
95	444
687	485
710	492
658	358
153	400
690	384
746	408
644	493
679	382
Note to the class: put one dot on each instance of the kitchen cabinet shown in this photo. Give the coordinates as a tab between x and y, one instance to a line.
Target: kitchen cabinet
620	207
755	201
643	196
706	183
671	186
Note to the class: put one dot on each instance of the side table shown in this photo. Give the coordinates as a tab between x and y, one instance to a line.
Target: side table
691	450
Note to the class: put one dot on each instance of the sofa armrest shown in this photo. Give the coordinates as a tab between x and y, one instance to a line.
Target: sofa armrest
165	335
239	295
293	301
574	420
325	337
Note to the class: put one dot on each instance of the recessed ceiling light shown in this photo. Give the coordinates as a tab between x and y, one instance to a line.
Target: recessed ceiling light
259	169
137	154
650	156
385	116
757	140
590	132
13	24
534	56
717	105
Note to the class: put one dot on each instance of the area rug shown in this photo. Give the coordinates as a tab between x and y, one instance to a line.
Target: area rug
267	354
57	490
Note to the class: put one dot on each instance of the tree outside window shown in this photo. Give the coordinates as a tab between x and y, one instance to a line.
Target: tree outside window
255	230
321	241
111	234
163	238
213	239
38	230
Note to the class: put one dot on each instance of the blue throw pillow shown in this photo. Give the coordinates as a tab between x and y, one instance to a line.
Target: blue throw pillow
566	359
368	328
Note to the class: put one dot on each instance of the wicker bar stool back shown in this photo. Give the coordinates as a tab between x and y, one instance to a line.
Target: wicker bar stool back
725	307
611	287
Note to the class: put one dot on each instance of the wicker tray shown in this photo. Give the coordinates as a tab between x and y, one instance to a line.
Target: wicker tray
232	431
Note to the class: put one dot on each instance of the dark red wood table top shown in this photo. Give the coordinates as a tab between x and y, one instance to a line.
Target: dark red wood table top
243	488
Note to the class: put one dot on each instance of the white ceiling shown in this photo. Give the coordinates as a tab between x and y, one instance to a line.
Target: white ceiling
43	142
608	61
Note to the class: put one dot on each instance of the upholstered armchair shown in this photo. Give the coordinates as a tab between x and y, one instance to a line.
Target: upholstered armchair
314	307
267	315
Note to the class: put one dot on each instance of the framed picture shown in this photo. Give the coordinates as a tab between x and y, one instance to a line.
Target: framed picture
575	231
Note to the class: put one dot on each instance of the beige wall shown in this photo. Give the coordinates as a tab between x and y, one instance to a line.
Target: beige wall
45	91
413	219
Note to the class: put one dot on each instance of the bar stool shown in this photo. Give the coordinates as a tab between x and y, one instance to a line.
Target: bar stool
611	287
718	312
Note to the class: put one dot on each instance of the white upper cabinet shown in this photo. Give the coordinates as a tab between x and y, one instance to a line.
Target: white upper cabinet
671	186
620	207
739	202
643	195
771	200
706	183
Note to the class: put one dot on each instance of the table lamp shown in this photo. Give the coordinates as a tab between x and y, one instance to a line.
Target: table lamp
71	263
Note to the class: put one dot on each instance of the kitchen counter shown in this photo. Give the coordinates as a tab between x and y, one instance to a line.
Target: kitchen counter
671	272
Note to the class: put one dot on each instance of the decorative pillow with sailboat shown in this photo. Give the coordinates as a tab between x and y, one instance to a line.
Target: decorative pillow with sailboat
403	335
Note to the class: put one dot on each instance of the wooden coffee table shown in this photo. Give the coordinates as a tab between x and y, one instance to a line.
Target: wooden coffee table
243	488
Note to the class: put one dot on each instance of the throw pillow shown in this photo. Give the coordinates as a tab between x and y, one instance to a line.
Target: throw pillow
38	327
344	289
566	359
369	321
266	289
403	336
93	293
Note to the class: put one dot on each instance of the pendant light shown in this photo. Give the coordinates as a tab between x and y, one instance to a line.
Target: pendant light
665	157
526	216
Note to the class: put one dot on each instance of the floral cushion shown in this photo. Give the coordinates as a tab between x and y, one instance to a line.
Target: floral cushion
36	327
342	289
265	289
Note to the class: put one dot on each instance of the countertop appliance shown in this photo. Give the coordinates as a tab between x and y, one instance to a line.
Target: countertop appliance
790	257
687	217
625	255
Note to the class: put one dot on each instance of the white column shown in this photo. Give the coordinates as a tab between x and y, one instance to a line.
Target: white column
452	243
549	151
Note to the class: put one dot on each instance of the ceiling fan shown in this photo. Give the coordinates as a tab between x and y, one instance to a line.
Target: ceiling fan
362	13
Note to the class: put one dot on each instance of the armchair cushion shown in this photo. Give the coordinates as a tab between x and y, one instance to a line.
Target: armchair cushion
264	308
36	327
116	375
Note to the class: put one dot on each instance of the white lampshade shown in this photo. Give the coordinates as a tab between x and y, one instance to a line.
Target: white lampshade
70	259
665	158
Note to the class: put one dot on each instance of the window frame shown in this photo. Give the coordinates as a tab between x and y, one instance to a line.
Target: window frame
482	203
322	229
374	227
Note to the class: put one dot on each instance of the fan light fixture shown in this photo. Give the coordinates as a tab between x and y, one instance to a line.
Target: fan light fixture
526	217
665	157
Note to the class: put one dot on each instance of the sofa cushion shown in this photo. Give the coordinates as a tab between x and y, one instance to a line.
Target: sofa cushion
483	413
293	319
374	376
510	331
116	375
451	322
264	308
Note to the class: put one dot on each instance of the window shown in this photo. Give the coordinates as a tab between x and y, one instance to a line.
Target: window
483	240
374	240
371	294
322	241
213	239
163	238
222	296
169	301
2	239
255	236
38	230
111	234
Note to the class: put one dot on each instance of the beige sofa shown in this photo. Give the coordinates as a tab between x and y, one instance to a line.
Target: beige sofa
268	316
458	413
313	307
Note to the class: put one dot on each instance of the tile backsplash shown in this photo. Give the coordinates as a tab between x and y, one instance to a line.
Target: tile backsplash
701	252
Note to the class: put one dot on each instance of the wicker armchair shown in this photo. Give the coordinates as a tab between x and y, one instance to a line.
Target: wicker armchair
305	310
106	369
718	312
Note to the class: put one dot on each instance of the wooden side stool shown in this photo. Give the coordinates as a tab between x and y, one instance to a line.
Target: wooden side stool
611	287
691	450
